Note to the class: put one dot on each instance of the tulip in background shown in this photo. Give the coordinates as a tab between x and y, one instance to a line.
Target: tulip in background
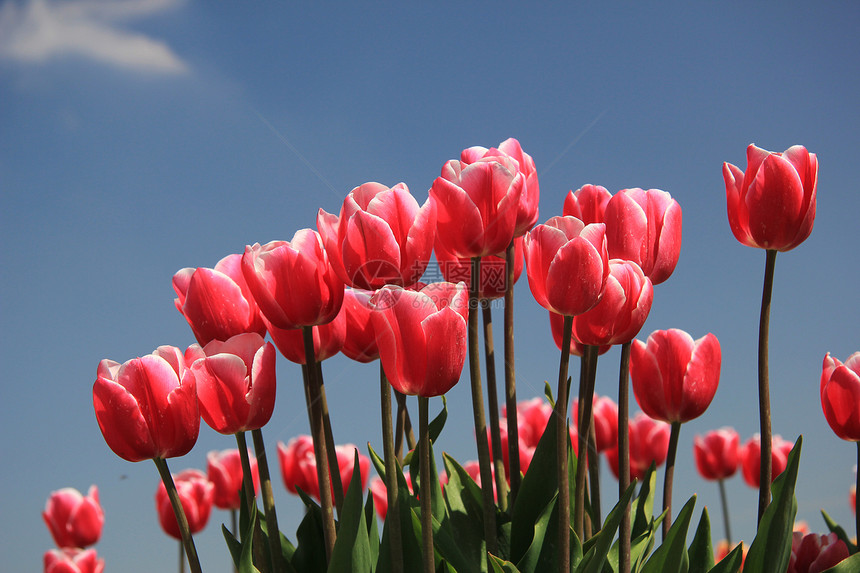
217	303
224	471
197	495
298	465
493	283
814	553
74	520
716	457
328	339
360	339
72	560
588	204
649	443
750	458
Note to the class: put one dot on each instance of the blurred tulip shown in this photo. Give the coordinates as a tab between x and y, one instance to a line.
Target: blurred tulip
674	377
299	468
493	283
360	339
527	213
814	553
722	550
224	470
649	443
750	458
588	204
380	493
422	336
716	454
236	383
567	264
73	519
72	560
477	205
772	205
605	415
840	395
147	407
196	494
217	303
381	237
328	339
645	227
293	282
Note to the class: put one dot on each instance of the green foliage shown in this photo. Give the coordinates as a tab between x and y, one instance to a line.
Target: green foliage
840	532
701	553
352	552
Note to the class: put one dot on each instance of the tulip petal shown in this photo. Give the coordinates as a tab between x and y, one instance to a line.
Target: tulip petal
371	253
576	278
445	334
774	200
123	426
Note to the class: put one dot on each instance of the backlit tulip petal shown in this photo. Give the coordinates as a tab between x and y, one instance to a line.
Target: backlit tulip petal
224	471
74	520
716	454
196	494
840	396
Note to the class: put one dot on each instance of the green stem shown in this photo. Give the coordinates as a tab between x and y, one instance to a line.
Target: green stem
510	376
428	553
315	415
586	398
489	506
176	503
250	498
668	476
393	515
181	558
594	476
404	426
763	386
624	455
725	503
562	436
493	402
331	450
268	501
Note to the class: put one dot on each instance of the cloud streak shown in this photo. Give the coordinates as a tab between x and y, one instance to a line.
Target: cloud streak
44	30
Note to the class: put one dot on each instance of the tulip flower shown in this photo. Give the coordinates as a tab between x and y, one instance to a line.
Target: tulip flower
196	494
224	471
605	416
814	553
477	205
422	336
645	227
147	407
72	560
750	458
74	520
328	339
716	454
588	204
649	443
381	237
771	205
556	324
298	465
236	383
527	213
567	264
293	282
493	282
674	377
217	303
360	340
840	395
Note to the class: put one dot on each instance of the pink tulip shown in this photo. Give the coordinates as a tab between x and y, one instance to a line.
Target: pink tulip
380	493
645	227
224	471
556	324
527	213
217	303
716	454
814	553
567	264
772	204
73	560
293	282
840	395
196	493
605	414
588	204
73	519
360	341
674	377
147	407
381	237
493	278
477	205
328	339
422	336
649	443
750	458
299	469
236	383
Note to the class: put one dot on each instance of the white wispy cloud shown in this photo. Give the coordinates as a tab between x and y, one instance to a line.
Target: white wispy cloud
42	30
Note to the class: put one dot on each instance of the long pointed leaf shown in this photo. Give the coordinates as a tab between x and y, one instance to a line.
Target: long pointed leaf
671	557
351	551
595	558
701	552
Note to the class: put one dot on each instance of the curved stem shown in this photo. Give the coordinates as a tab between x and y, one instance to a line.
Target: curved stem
668	476
624	455
391	485
331	450
428	553
586	398
176	503
268	501
493	403
247	477
315	415
510	377
562	436
725	502
478	412
763	386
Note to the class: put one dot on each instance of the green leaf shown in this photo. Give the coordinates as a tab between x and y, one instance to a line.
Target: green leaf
643	505
840	533
771	549
547	391
701	553
410	535
372	530
848	565
436	425
542	548
596	557
502	566
671	556
437	503
465	510
732	562
351	551
310	554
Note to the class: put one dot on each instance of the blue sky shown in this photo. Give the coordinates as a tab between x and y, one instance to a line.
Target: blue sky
143	136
